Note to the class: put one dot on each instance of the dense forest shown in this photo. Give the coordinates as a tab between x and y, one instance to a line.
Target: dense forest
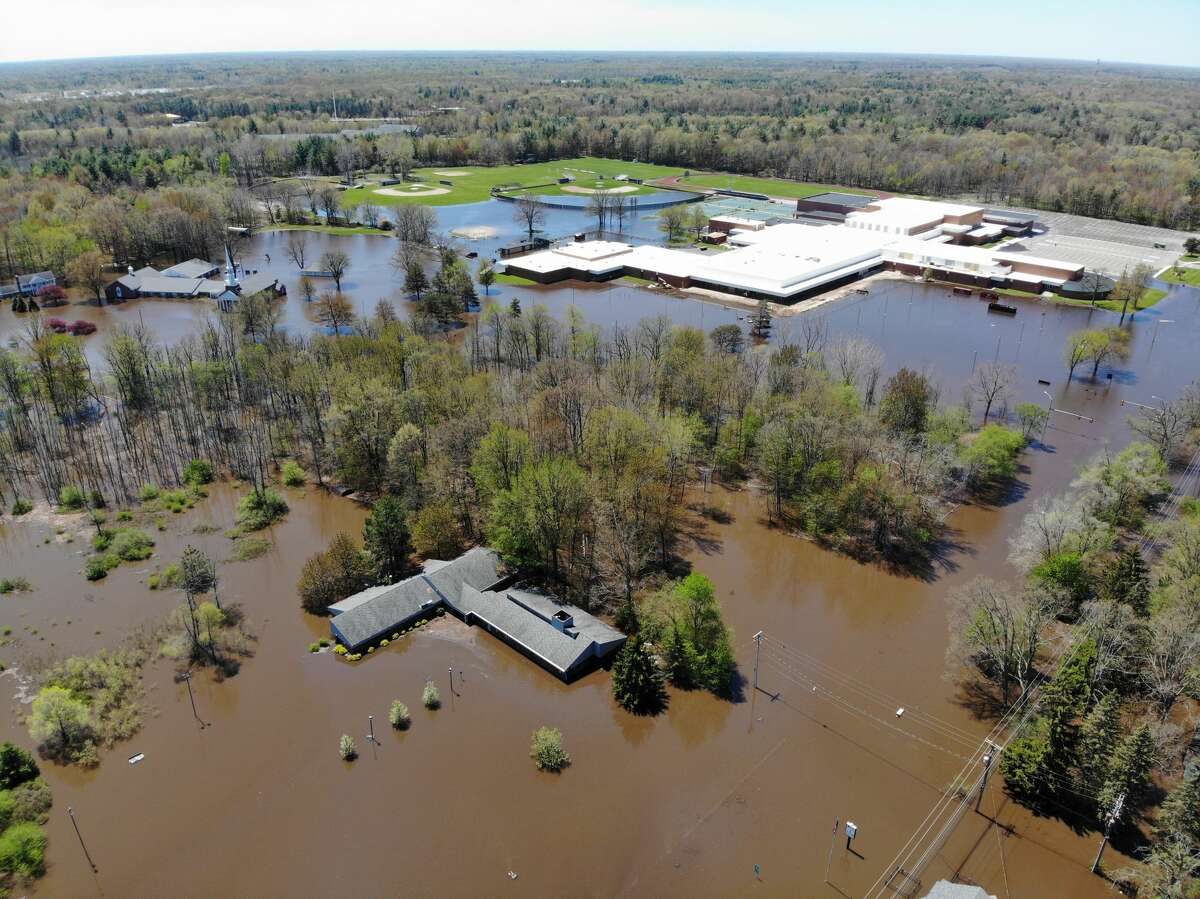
1100	140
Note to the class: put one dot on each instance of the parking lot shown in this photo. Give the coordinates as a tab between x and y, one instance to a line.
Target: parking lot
1099	244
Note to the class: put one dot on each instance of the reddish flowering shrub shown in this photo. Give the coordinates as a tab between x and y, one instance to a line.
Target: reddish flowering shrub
52	295
81	327
57	325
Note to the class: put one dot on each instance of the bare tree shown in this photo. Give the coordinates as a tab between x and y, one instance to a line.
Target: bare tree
1171	664
990	383
297	247
334	311
1055	525
529	213
998	633
1163	425
336	262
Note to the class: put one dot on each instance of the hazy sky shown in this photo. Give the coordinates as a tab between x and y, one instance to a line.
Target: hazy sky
1159	31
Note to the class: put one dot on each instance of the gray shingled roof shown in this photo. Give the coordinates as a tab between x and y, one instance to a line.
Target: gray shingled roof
944	889
192	268
257	283
479	567
388	608
523	618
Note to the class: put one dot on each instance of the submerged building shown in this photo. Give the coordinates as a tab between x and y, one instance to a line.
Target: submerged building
560	637
789	261
194	278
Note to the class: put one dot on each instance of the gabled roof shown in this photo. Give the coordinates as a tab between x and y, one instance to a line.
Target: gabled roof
384	608
192	268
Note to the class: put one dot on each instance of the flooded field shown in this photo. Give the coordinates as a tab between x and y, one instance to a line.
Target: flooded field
258	803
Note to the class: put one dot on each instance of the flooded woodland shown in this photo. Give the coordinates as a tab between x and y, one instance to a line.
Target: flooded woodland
253	800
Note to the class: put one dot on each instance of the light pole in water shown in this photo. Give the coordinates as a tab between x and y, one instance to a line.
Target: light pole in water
87	855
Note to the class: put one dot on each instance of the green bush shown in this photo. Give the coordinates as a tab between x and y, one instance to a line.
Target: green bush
547	749
340	649
248	548
95	569
147	493
23	850
431	697
324	641
14	585
197	472
7	804
168	577
71	498
176	501
398	715
21	506
124	515
993	453
314	647
291	474
347	749
260	508
132	545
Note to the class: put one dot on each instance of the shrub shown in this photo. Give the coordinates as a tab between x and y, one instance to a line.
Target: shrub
148	493
431	697
168	577
547	749
14	585
323	642
248	548
176	500
992	455
80	327
347	749
95	569
314	647
124	515
31	802
132	545
21	506
291	474
23	850
398	715
197	472
395	636
57	325
383	642
260	508
71	498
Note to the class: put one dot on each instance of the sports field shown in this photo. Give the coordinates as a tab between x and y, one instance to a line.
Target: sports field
472	184
772	187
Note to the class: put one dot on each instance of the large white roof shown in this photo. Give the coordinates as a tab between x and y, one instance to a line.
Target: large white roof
905	213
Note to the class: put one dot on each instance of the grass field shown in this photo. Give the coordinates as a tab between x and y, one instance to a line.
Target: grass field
1150	297
340	230
772	187
477	185
1189	276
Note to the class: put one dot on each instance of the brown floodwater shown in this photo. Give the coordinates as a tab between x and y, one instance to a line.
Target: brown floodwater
258	803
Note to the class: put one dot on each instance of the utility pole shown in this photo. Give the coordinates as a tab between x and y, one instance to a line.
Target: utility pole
371	730
987	769
1114	815
757	649
187	679
88	855
832	840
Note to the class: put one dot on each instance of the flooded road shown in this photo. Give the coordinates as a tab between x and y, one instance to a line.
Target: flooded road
258	803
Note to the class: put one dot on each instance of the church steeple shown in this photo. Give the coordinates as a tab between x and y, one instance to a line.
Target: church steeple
231	278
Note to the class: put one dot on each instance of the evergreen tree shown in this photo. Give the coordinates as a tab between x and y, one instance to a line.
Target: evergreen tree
1180	815
386	538
637	681
415	282
514	308
681	660
1127	580
760	322
1129	772
1098	737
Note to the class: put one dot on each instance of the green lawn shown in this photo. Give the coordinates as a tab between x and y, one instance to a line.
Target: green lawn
772	187
504	278
477	185
1189	276
1150	296
558	190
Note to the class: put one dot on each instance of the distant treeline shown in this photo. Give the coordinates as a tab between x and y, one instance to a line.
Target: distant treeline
1107	141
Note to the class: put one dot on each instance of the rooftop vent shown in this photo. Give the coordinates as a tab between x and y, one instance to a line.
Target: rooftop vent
562	620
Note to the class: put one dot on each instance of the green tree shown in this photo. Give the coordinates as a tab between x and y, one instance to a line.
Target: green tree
1127	580
387	540
992	455
637	682
60	720
907	399
1129	771
760	322
1098	738
541	518
16	766
1032	417
332	575
486	276
1180	814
